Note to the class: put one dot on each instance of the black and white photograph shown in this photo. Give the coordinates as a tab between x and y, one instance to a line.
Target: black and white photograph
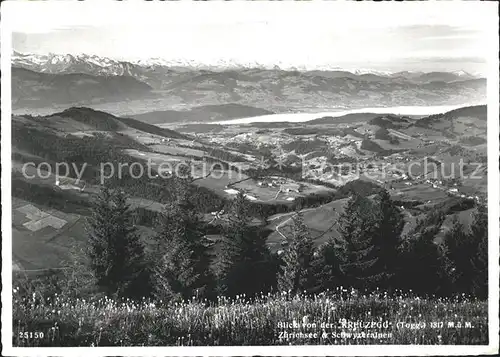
250	178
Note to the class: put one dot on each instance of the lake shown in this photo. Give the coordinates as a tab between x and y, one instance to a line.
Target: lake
303	117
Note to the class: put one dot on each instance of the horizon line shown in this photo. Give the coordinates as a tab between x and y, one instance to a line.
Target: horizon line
232	64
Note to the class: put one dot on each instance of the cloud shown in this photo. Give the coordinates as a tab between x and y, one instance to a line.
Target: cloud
319	34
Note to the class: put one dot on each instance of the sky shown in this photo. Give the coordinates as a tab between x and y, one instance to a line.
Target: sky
306	35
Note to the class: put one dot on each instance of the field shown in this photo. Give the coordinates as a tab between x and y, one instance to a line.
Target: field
156	158
287	191
400	319
321	221
218	180
42	236
43	246
172	150
318	220
419	192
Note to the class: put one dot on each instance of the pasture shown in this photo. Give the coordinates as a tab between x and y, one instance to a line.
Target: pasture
262	193
40	234
229	322
218	179
319	220
418	192
173	150
279	192
46	244
156	158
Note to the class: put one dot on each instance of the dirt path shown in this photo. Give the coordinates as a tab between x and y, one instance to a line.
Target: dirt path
280	215
281	224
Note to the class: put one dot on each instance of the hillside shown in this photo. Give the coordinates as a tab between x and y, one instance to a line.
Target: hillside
202	114
478	112
462	122
82	119
348	118
391	121
34	90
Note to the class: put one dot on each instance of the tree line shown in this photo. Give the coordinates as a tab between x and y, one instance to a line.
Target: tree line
371	251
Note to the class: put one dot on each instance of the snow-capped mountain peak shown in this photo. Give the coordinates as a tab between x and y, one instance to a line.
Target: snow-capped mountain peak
462	73
371	71
98	65
68	63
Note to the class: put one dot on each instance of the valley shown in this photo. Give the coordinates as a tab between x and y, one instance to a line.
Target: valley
279	165
262	174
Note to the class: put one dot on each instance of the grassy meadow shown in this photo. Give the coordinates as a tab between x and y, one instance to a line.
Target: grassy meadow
345	316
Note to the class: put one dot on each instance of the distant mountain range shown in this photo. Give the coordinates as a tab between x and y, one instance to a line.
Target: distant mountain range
44	80
97	65
34	89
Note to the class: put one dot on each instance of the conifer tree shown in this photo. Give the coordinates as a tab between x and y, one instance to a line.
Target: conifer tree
357	227
181	262
423	267
230	245
479	238
458	250
297	273
244	254
387	240
327	264
115	250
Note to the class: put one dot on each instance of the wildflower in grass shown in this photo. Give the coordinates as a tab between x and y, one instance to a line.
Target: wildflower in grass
305	320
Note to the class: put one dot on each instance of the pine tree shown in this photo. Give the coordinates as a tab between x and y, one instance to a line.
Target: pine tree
357	227
479	238
115	250
327	264
422	260
387	240
244	254
230	245
458	249
297	273
181	262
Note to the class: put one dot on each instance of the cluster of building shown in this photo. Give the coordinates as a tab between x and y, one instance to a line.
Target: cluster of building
271	182
453	191
234	192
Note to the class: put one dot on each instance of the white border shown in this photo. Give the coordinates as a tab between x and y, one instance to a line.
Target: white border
369	350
